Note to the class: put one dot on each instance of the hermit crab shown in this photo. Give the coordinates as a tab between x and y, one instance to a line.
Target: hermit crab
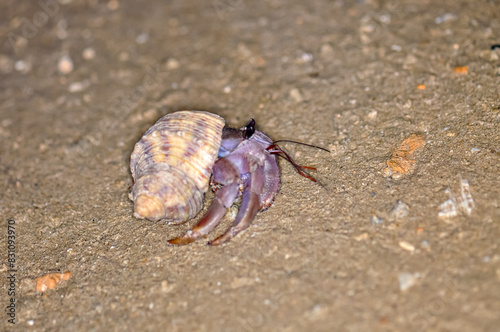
173	162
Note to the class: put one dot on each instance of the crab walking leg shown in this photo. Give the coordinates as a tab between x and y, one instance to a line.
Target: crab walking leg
208	222
226	174
250	205
271	181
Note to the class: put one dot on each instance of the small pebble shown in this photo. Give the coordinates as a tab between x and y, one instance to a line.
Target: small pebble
296	95
407	280
375	220
6	64
62	32
474	150
242	282
445	17
326	51
88	53
142	38
400	210
123	56
166	287
406	246
362	237
65	65
316	312
305	57
172	63
372	115
113	5
243	50
396	48
385	18
76	87
410	59
20	65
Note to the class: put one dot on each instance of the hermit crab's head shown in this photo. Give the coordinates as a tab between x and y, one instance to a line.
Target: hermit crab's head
232	137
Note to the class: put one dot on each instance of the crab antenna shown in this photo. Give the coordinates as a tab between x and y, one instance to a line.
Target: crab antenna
310	145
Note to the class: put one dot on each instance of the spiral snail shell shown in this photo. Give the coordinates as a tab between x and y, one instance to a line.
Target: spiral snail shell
171	165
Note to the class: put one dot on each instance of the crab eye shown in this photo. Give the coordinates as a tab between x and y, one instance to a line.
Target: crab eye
249	129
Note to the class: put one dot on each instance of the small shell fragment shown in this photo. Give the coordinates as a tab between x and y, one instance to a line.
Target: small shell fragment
455	204
407	280
407	246
51	280
172	163
401	161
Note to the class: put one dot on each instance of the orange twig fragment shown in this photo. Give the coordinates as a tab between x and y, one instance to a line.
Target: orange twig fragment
400	160
51	280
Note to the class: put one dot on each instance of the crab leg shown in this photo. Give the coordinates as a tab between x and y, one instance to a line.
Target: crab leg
224	173
211	219
250	205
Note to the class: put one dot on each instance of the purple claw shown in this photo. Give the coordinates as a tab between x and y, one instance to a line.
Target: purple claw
225	173
250	205
211	219
248	211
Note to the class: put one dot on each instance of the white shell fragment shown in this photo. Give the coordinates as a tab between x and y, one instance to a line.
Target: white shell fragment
455	204
407	280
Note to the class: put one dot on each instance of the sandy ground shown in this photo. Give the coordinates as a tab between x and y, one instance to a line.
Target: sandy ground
372	249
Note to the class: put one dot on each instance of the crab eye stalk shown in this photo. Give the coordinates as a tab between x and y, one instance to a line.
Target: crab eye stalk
249	129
